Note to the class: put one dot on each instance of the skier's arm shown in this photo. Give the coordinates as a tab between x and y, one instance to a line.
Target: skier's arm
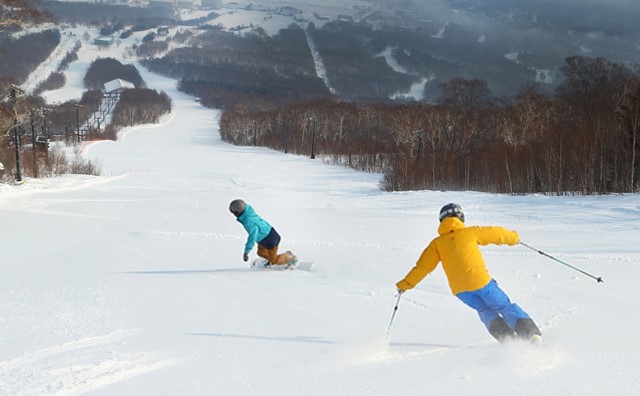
496	235
427	262
251	239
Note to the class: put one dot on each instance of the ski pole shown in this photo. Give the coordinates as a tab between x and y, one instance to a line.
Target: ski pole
597	278
395	309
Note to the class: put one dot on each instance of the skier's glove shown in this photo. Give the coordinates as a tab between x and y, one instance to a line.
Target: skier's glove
245	257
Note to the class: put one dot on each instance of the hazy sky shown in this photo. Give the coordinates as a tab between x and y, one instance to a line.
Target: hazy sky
617	16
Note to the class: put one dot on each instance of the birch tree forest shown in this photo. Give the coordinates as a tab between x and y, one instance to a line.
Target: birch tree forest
583	139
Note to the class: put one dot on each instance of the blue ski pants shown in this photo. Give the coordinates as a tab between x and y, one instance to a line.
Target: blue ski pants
491	302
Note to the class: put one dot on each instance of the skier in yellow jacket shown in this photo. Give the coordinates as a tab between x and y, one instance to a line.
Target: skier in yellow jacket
457	248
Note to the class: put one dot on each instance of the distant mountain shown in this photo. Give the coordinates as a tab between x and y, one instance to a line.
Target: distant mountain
479	38
378	50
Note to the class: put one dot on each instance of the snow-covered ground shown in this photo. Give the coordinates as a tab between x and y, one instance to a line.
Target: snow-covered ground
416	90
321	71
543	76
273	15
132	283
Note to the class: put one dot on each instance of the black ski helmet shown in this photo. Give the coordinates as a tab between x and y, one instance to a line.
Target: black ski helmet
237	206
451	210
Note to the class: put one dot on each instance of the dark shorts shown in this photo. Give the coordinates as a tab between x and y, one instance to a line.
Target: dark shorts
271	240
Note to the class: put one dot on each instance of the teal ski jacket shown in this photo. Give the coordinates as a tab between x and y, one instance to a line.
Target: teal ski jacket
256	226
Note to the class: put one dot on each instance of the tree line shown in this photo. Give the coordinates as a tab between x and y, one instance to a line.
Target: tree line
103	70
582	139
348	52
101	13
22	55
140	106
252	70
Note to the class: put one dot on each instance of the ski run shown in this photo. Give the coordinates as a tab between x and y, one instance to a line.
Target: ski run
133	283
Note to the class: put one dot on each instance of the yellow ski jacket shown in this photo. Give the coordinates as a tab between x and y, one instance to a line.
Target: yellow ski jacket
457	248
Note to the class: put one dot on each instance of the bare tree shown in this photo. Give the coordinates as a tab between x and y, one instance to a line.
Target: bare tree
629	116
20	14
465	93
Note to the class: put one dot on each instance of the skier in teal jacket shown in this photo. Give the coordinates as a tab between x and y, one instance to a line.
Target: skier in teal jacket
260	232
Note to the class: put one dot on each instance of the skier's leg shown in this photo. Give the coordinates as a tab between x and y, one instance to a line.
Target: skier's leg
273	256
471	299
284	258
515	317
494	323
268	246
270	254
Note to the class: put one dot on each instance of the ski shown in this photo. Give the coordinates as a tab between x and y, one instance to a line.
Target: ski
262	264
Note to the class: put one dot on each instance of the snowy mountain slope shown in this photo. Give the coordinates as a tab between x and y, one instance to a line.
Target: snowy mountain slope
132	283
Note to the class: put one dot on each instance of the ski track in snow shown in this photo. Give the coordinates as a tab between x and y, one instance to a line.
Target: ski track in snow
409	351
299	242
71	368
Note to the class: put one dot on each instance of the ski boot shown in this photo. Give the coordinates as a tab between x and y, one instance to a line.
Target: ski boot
528	331
292	262
500	330
260	263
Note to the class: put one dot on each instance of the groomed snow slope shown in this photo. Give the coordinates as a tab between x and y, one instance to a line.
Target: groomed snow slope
133	283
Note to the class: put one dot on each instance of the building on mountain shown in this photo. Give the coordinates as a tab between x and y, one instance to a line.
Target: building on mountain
103	40
116	86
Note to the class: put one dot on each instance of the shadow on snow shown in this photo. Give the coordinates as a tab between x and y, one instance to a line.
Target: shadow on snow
301	339
188	272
